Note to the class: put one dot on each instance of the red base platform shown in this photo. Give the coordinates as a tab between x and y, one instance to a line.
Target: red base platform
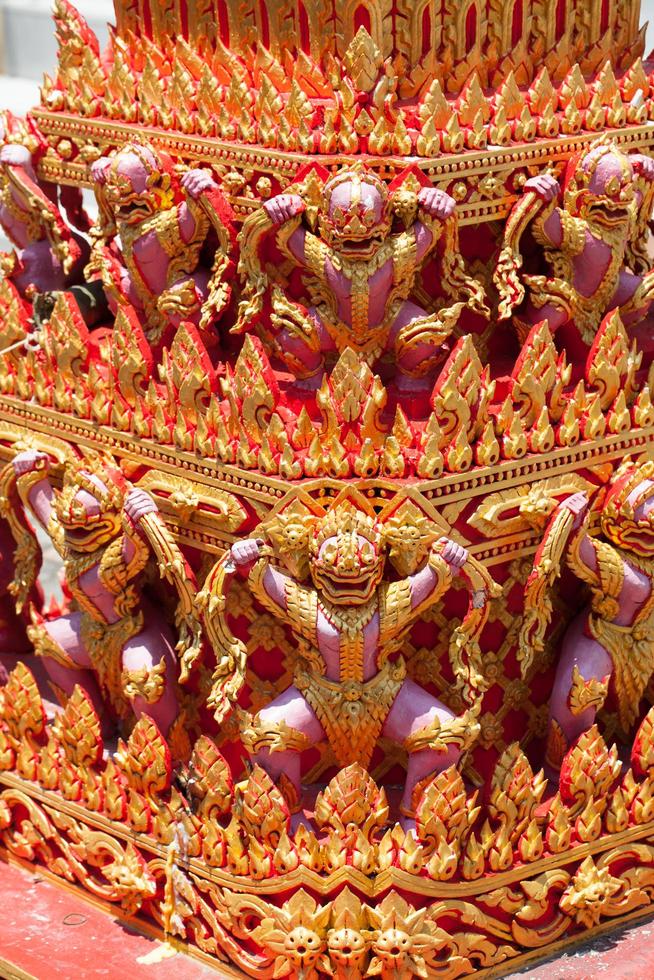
49	933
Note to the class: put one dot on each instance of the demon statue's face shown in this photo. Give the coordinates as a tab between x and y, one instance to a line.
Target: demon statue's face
137	185
347	556
355	216
602	188
627	517
88	509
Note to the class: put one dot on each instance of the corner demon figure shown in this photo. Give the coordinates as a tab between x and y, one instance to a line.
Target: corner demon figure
348	687
594	232
363	264
114	643
50	256
612	639
158	267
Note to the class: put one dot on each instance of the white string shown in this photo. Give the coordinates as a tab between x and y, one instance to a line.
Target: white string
29	342
19	343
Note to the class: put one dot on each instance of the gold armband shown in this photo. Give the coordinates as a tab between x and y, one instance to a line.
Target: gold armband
574	234
145	683
45	646
437	736
606	583
438	564
585	694
26	481
283	235
257	734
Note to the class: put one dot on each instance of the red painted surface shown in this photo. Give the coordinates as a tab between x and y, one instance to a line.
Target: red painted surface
52	934
624	954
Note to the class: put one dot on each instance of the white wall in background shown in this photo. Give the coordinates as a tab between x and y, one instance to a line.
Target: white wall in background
27	43
647	14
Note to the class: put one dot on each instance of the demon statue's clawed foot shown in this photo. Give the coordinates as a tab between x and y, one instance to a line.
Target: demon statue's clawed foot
594	232
350	685
49	255
149	242
360	250
112	643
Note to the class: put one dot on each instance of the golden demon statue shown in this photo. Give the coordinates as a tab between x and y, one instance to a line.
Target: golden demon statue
50	256
350	684
115	643
361	247
594	231
152	244
611	639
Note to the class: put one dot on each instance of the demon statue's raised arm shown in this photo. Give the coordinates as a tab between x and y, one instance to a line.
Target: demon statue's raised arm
114	642
361	250
152	232
49	256
593	230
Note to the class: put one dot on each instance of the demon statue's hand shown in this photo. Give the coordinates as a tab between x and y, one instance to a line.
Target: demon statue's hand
454	554
246	552
15	155
284	207
577	504
197	182
137	504
30	461
100	170
436	203
544	185
643	166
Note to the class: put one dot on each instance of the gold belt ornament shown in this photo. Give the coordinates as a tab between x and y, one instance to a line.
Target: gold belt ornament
351	712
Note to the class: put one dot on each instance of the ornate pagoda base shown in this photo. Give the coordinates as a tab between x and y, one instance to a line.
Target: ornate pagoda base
218	868
69	940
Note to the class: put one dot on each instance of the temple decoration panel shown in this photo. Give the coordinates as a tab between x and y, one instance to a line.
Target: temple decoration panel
338	414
